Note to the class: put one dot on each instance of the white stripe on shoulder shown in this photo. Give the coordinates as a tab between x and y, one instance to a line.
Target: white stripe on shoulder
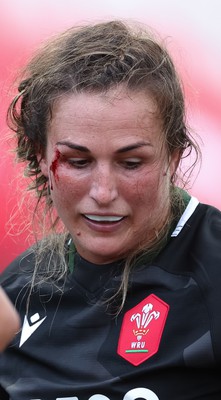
193	203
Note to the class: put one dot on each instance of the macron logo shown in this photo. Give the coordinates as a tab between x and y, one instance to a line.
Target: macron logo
28	330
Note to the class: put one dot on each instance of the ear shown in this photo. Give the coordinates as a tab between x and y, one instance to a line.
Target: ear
174	161
43	165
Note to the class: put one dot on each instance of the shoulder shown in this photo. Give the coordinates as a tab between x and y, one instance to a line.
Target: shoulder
17	276
24	262
199	243
206	222
199	221
206	248
40	264
196	240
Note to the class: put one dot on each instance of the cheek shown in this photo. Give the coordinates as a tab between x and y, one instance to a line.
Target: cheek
148	184
67	189
152	189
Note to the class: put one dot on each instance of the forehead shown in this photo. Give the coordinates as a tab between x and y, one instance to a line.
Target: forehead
114	111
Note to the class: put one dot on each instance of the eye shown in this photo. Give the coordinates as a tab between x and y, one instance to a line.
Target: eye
78	162
131	163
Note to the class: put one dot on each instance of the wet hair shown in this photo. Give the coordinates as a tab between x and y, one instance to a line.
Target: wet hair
95	59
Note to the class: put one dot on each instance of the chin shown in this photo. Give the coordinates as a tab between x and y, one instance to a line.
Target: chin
101	257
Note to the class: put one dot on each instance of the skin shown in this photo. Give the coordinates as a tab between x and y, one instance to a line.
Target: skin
9	320
105	156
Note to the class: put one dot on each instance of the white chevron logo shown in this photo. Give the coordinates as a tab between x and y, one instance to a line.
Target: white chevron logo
28	330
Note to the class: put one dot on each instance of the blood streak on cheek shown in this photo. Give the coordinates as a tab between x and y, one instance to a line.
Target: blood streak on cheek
54	166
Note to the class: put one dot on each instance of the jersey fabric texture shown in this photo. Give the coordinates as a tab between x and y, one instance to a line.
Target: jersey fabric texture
165	344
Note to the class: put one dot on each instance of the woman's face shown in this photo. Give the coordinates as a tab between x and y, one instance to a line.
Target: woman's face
109	171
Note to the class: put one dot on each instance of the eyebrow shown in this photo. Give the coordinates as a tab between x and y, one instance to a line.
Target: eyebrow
84	149
133	147
73	146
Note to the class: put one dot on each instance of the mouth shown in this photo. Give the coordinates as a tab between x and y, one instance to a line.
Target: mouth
104	218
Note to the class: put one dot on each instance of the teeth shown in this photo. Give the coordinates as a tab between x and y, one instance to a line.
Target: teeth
102	218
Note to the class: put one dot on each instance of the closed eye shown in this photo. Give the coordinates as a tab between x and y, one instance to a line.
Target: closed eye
131	163
78	162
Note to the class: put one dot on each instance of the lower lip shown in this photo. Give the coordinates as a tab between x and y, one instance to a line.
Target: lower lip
104	227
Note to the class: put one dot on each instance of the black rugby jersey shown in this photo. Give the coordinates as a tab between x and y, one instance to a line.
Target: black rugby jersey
164	345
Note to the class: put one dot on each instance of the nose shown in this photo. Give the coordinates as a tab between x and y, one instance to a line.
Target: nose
103	186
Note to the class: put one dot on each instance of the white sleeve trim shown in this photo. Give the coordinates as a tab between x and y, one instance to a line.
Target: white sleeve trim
193	203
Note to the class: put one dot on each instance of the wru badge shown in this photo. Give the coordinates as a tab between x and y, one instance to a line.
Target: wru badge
142	329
